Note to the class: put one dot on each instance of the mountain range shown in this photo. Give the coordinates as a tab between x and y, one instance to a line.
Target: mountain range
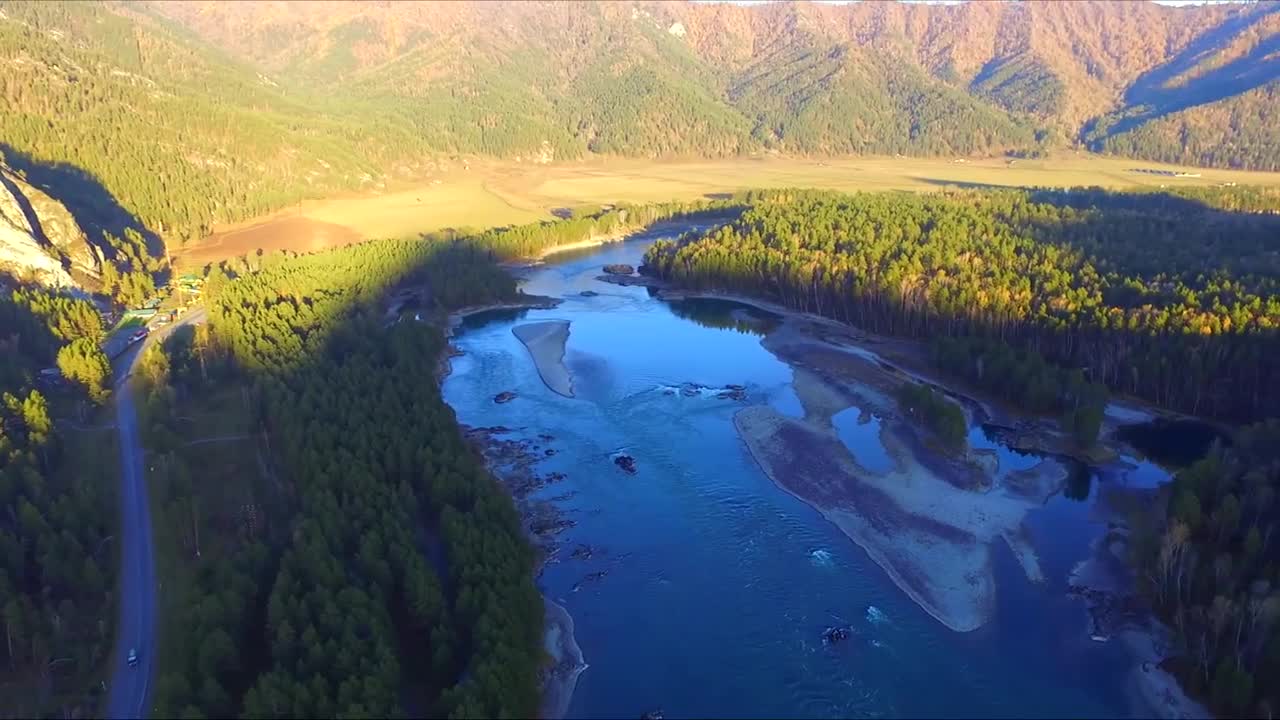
188	112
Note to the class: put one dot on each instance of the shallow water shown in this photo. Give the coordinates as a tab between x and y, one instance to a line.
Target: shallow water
860	432
719	584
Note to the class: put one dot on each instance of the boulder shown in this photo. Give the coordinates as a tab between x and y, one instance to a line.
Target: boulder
588	293
833	635
733	392
620	269
627	463
591	577
503	397
630	280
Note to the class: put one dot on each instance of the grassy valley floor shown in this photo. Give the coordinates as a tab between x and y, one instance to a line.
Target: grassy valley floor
484	194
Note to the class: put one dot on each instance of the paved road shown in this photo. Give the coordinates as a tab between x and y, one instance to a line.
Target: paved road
136	628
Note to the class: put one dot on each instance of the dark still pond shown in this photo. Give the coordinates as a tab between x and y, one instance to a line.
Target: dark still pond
1173	442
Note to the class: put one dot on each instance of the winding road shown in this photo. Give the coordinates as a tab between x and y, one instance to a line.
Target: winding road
136	629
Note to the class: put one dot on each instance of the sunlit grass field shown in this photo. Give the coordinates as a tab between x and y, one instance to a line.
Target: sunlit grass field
484	194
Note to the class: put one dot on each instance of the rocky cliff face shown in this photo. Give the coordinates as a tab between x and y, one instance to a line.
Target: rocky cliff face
40	240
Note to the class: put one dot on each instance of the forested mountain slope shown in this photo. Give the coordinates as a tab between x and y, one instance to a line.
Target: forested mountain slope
191	113
1051	66
181	134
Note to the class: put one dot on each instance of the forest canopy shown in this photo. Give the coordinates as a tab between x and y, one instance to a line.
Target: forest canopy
1163	297
393	565
57	567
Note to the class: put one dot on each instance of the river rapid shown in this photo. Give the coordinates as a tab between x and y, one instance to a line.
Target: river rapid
707	588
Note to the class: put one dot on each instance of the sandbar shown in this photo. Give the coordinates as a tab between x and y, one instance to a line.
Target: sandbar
546	342
932	538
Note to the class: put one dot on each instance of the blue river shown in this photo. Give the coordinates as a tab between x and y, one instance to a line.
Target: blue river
717	584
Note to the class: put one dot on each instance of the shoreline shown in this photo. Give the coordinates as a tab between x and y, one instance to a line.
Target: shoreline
530	302
444	365
902	350
511	463
561	646
1032	433
1104	581
593	241
1155	691
681	222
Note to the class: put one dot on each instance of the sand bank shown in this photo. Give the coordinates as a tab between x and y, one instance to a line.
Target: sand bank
931	520
566	662
545	342
932	538
1155	692
593	241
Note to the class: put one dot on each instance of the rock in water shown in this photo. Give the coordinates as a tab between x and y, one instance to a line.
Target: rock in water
588	293
620	269
627	463
505	396
733	392
652	715
833	635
